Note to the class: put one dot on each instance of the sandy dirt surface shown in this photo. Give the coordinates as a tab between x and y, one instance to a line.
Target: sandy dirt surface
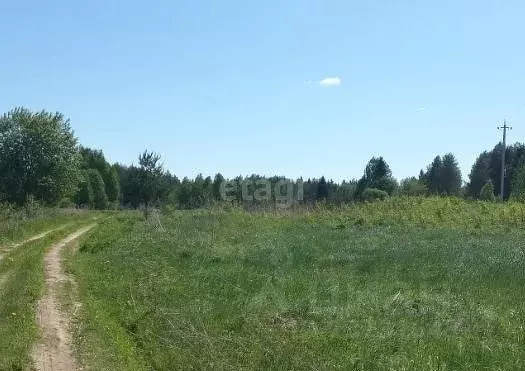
54	352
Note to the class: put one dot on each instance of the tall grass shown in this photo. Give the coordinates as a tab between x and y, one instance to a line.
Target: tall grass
16	223
443	212
450	212
404	284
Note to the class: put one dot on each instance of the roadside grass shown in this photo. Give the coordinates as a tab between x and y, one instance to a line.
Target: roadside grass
21	286
309	290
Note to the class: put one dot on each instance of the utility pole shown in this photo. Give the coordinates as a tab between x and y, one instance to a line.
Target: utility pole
503	151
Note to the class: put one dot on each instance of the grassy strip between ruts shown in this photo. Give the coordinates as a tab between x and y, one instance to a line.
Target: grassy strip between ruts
21	286
233	290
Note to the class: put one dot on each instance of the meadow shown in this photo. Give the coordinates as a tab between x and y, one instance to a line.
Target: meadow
404	284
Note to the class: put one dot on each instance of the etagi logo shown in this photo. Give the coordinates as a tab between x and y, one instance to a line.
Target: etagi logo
261	190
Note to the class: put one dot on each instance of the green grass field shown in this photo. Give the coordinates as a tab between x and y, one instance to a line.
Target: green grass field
407	284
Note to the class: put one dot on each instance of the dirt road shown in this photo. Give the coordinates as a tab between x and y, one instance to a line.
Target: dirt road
54	352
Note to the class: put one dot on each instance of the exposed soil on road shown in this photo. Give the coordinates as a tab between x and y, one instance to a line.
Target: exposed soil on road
54	352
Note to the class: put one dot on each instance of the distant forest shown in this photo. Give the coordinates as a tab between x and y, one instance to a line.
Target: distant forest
42	161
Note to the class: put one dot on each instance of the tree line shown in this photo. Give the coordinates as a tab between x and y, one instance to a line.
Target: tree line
41	159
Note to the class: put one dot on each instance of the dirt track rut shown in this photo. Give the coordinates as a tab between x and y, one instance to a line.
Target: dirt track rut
54	352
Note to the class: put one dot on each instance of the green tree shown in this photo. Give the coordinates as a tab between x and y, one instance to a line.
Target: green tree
94	159
514	158
377	168
322	189
413	187
377	176
443	176
487	192
518	184
129	185
149	179
84	196
38	156
100	199
198	191
310	191
433	176
479	175
488	167
207	190
345	192
185	194
217	181
450	176
386	183
362	184
112	185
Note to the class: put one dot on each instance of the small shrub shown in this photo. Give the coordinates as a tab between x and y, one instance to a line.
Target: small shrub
168	209
66	203
31	207
487	192
413	187
373	194
113	205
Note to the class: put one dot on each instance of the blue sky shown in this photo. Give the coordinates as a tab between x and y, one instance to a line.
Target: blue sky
234	86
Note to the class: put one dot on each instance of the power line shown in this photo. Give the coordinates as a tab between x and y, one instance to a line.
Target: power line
503	151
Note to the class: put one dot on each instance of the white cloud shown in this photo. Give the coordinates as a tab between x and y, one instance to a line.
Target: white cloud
331	81
421	109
